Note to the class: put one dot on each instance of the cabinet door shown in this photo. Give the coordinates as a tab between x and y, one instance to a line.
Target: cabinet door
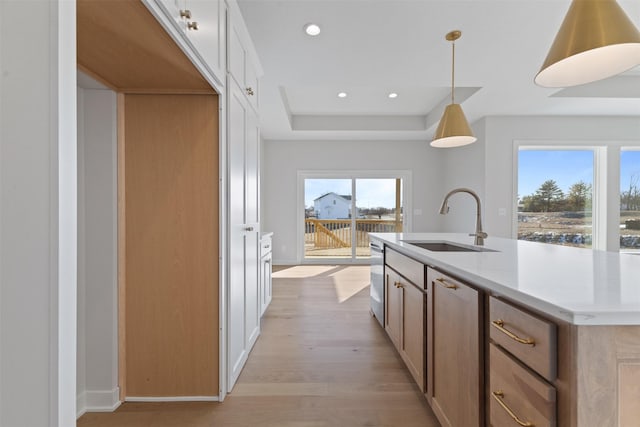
251	84
265	284
244	231
237	55
393	305
252	226
455	374
412	349
209	37
237	338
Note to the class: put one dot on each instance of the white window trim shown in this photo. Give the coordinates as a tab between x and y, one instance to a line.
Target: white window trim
405	175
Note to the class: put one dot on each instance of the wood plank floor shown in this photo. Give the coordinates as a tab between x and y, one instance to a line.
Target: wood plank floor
321	361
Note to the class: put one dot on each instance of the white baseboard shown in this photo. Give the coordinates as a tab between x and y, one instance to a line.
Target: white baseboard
97	401
174	399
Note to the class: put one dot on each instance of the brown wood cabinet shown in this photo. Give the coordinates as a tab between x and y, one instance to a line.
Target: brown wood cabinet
405	321
493	361
393	306
517	395
455	344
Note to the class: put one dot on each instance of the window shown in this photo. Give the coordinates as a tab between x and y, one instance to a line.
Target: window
339	213
555	196
629	200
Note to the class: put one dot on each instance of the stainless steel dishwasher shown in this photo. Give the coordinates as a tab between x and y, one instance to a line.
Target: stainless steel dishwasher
377	281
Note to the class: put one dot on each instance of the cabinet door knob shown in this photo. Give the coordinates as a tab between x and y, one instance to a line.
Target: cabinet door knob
192	26
249	91
248	229
398	285
185	13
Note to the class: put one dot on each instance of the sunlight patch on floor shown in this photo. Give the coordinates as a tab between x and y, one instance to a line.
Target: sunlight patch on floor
344	291
302	271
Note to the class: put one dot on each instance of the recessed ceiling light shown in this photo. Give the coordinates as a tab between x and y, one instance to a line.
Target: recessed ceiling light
342	94
312	29
393	95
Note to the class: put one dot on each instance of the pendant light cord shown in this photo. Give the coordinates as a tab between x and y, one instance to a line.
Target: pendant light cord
453	68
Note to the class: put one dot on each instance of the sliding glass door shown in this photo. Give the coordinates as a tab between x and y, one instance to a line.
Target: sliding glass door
340	212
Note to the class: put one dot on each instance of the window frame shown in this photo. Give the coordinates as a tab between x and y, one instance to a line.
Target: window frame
606	185
404	175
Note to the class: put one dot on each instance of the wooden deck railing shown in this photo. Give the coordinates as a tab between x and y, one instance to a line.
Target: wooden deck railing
336	233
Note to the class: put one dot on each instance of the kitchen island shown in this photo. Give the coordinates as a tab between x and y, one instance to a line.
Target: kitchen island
556	328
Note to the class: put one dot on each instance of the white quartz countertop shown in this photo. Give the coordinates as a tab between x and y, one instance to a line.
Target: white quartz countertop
580	286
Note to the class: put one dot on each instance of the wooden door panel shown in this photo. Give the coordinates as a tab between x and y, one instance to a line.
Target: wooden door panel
456	352
171	244
393	296
413	333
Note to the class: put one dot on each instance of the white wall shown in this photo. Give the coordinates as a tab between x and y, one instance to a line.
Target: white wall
281	161
97	258
37	213
497	137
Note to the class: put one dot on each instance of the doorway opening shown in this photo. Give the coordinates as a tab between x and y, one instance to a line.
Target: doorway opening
340	212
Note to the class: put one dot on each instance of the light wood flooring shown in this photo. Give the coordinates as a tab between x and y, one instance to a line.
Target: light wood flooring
321	361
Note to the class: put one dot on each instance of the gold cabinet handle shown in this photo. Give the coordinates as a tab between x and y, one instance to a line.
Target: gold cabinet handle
446	284
498	396
192	26
186	13
249	91
499	325
398	285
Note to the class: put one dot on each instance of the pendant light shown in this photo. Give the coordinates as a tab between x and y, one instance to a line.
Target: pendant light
453	130
596	40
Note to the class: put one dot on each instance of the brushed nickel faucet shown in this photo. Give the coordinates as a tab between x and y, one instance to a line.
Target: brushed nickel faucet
444	209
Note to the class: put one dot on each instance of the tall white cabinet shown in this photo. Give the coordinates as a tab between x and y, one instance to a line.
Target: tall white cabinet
243	139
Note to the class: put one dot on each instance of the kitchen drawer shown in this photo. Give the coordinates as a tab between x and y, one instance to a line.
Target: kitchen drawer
515	393
407	267
528	337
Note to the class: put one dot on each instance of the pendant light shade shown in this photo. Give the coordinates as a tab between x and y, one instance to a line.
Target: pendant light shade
596	40
453	129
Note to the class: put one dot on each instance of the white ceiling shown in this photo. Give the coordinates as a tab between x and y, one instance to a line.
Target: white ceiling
369	48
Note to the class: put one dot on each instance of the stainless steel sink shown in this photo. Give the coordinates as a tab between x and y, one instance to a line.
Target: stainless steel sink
442	246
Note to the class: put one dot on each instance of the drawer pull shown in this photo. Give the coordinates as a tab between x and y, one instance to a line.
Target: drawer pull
498	396
446	284
398	285
499	325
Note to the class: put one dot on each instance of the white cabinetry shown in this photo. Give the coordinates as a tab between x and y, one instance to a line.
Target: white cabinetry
242	68
266	289
243	139
244	318
202	24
